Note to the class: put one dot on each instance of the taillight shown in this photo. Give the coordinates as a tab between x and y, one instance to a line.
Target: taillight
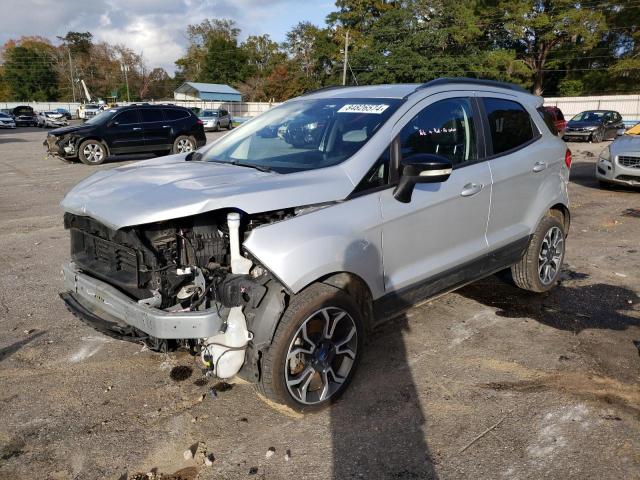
200	122
567	158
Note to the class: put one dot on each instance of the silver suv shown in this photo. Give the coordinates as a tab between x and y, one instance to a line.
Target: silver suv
273	251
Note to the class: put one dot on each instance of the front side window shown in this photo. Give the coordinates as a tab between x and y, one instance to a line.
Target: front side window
127	117
509	123
149	115
304	134
444	128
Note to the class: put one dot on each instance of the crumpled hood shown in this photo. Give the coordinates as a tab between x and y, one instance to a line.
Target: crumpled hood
168	187
70	129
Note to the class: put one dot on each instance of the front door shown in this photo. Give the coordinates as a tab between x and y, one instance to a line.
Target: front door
124	133
443	228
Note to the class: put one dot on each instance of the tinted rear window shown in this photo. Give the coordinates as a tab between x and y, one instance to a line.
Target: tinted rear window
509	123
148	115
175	113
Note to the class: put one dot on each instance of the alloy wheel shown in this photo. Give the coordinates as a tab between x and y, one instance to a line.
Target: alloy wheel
321	355
184	145
93	153
550	256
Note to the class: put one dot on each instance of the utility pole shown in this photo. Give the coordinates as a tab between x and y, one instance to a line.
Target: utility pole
346	58
125	69
73	86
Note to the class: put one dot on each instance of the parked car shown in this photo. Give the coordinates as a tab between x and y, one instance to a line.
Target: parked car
594	126
24	116
130	129
7	121
65	113
214	119
51	119
88	110
264	256
619	163
558	119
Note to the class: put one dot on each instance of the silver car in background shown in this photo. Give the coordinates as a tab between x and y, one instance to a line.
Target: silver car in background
619	163
51	119
216	118
274	250
7	121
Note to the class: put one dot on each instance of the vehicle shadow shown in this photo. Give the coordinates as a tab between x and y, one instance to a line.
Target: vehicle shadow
6	139
7	351
574	308
378	427
584	174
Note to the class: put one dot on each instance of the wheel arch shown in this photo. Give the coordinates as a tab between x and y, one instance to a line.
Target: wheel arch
561	211
97	139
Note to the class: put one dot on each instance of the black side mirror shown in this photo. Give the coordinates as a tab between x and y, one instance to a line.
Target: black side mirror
420	168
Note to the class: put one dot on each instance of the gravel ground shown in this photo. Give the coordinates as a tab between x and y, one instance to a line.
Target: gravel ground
555	375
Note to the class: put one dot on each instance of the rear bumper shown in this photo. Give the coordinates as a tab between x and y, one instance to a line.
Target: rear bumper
93	300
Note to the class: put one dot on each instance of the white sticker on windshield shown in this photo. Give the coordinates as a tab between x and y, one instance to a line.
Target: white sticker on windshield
364	108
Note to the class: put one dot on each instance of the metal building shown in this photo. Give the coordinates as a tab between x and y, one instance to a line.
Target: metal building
207	91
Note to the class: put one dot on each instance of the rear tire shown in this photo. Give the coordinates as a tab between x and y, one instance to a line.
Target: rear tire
184	144
540	267
92	152
322	323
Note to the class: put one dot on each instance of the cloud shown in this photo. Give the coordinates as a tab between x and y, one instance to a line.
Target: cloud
154	27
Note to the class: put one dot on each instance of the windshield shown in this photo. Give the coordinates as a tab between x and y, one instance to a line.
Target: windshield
588	117
209	113
304	134
103	117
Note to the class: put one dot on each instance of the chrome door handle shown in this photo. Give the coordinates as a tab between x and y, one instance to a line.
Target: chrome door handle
136	129
166	126
471	189
539	166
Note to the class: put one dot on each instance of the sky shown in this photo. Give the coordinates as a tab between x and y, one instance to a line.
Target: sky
155	28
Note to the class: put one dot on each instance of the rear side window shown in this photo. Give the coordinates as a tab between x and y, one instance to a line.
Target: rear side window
175	114
126	117
148	115
509	123
443	128
548	120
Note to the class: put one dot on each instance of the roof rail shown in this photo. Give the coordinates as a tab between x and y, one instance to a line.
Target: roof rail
322	89
472	81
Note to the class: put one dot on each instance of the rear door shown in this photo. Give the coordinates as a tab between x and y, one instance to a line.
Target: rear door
156	131
443	228
225	119
519	164
124	133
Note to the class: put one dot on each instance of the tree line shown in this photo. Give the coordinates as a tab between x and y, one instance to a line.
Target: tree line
552	47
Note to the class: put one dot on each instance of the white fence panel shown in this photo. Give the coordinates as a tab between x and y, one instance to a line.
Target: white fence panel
627	105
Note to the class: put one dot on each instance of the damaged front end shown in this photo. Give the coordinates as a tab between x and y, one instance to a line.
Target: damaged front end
64	145
176	283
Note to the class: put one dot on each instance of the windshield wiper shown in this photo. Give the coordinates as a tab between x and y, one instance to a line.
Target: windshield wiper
257	167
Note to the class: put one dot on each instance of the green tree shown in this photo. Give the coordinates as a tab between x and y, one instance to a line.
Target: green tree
29	72
540	29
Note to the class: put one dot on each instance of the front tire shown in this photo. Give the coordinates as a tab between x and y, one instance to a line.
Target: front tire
184	144
315	350
540	267
92	152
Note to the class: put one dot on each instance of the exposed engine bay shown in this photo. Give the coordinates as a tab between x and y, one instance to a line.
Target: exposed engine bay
185	265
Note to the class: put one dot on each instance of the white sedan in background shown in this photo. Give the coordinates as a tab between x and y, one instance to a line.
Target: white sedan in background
51	119
7	121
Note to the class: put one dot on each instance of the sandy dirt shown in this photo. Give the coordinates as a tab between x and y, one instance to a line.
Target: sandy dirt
556	375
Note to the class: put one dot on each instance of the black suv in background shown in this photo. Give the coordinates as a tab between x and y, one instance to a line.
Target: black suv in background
158	129
24	116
